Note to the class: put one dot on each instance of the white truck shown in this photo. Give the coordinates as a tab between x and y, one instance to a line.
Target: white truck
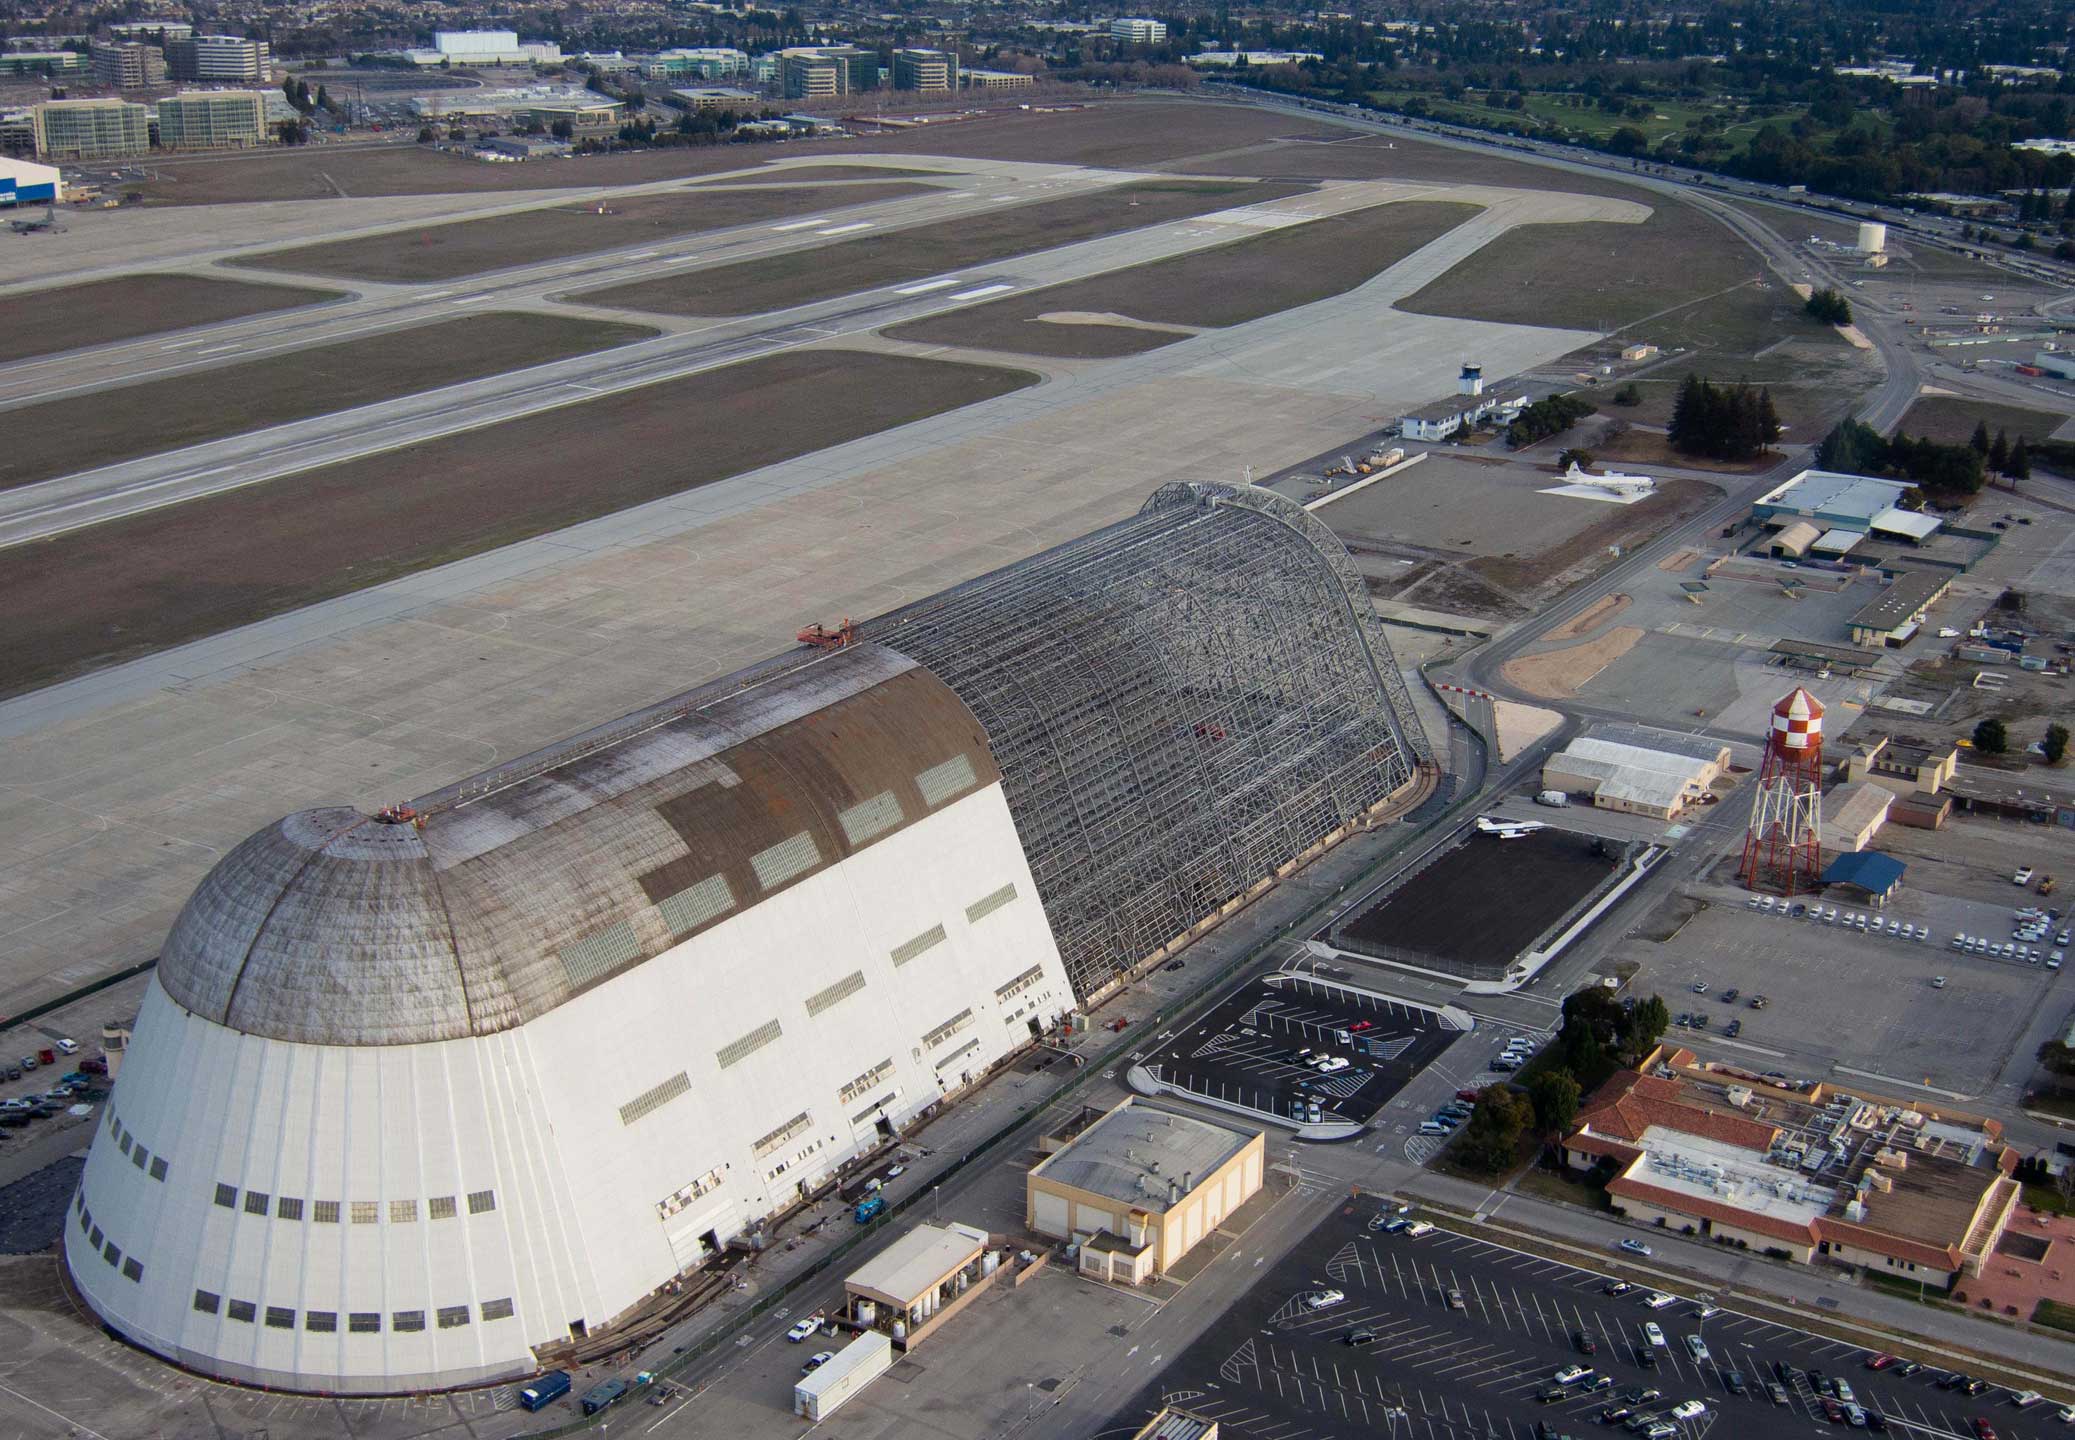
1555	799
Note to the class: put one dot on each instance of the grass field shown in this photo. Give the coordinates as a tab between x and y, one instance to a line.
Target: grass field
1668	119
1127	134
469	247
1228	285
778	282
1950	420
1347	155
133	586
70	317
79	432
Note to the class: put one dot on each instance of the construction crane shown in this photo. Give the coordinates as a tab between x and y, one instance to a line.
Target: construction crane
823	638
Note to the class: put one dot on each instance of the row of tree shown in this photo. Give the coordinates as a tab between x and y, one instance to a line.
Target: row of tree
1992	737
1830	307
1546	417
1722	422
1860	449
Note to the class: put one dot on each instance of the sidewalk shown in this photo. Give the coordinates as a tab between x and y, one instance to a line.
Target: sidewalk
1513	1218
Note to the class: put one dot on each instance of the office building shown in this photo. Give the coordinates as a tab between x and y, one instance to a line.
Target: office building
1138	32
128	64
90	129
929	71
212	120
227	58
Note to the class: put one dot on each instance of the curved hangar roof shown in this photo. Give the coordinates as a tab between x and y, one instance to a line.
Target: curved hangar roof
332	927
1178	706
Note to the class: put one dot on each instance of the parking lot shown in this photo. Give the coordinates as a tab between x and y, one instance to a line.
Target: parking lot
1474	1366
1840	996
1267	1047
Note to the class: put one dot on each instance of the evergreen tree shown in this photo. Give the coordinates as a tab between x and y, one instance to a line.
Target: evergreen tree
1768	421
2019	466
1684	413
1999	452
1980	441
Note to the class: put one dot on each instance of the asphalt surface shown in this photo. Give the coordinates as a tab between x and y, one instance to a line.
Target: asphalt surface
1244	1052
1275	1365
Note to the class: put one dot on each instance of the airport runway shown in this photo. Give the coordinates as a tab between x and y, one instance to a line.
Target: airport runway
55	506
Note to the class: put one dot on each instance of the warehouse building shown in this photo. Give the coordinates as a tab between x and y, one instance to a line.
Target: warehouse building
90	129
1142	1187
1853	815
1893	618
393	1116
212	120
1657	775
1828	499
22	183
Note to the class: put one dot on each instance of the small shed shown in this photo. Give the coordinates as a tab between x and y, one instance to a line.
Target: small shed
1873	874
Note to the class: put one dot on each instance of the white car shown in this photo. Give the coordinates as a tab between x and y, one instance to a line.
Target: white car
68	1047
1571	1374
1654	1333
1418	1228
1635	1247
896	1172
803	1329
1658	1300
1323	1299
1698	1349
2023	876
1689	1410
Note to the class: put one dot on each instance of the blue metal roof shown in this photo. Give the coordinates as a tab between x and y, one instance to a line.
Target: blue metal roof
1871	871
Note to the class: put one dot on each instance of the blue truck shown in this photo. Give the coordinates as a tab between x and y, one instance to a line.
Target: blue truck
549	1387
603	1394
869	1209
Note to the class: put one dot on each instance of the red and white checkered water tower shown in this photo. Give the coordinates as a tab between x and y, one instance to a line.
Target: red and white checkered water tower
1784	847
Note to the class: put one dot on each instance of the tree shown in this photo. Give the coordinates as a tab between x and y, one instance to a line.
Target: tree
2019	465
1647	1023
2057	1059
1999	452
1554	1094
425	135
1490	1142
1565	459
1990	738
2055	745
1628	141
1830	307
1628	393
1980	438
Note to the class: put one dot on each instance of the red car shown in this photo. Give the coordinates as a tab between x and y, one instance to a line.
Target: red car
1359	1026
1983	1430
1879	1362
1832	1411
1470	1095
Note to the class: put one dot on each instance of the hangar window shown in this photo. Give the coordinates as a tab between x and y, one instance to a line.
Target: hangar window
227	1196
441	1207
324	1322
787	860
908	949
366	1212
207	1303
987	904
158	1167
693	906
131	1270
364	1322
497	1309
325	1212
655	1098
86	1222
768	1143
843	989
123	1139
242	1310
139	1157
601	953
949	1028
280	1317
288	1208
111	1252
871	818
402	1212
863	1083
452	1317
941	782
256	1202
481	1202
95	1238
1021	983
408	1320
736	1051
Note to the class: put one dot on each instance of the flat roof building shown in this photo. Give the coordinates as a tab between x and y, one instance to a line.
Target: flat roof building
1894	616
707	62
719	97
1829	498
818	1393
128	64
1905	767
995	79
928	71
1142	1187
54	63
90	129
229	58
1138	31
920	1281
212	120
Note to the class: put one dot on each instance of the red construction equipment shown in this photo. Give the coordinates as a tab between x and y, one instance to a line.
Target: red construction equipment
823	638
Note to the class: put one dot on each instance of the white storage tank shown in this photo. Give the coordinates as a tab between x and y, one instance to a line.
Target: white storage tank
1873	238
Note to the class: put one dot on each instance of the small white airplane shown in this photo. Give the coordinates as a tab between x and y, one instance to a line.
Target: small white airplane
1508	829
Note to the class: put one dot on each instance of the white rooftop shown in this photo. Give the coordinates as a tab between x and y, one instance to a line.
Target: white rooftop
917	1261
1835	493
1836	542
1912	523
1705	1169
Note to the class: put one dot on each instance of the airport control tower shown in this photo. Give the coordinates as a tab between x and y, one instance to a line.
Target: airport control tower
1784	847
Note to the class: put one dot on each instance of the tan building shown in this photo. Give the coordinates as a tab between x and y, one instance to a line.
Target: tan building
995	79
1896	1186
1897	613
212	120
1141	1187
1637	779
920	1281
1853	815
1792	543
1907	767
90	129
128	64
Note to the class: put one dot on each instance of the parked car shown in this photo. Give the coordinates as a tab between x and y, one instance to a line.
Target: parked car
803	1328
1324	1299
815	1361
1635	1247
1698	1349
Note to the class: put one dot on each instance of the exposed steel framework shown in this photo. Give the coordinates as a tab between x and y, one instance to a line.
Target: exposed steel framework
1784	847
1181	704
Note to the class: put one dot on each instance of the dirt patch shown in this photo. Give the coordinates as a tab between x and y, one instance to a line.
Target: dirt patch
1950	420
79	432
1125	134
71	317
469	247
1557	674
1593	275
779	282
1678	562
1227	285
133	586
1571	560
1601	611
1648	447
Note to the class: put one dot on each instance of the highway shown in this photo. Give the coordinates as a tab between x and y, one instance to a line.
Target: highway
52	507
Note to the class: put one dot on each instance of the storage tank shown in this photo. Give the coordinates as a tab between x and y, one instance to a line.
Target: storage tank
1873	238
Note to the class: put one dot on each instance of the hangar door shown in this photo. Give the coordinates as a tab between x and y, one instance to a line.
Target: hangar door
1048	1213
